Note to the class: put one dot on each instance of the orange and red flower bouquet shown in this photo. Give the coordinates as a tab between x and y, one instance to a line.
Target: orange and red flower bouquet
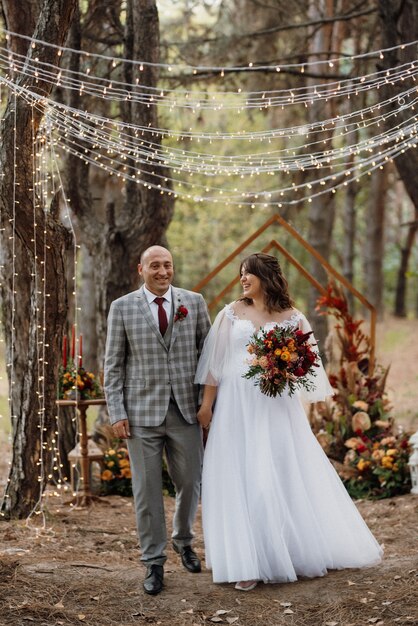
281	359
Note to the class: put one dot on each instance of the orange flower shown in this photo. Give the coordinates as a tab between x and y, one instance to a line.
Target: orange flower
387	462
107	475
126	472
363	465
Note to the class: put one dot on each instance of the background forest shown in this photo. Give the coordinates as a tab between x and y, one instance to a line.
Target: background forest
75	219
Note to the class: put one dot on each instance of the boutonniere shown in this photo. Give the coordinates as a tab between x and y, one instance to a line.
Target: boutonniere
181	313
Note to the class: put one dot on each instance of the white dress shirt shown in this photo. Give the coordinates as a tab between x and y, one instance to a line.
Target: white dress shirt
154	306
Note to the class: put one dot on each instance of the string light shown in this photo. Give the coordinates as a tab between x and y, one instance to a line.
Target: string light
249	67
192	99
102	134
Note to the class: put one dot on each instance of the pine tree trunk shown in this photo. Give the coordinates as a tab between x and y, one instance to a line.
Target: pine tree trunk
125	229
401	282
349	224
374	244
321	209
400	23
33	287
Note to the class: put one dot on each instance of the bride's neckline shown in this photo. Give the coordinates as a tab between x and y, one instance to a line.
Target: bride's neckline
290	321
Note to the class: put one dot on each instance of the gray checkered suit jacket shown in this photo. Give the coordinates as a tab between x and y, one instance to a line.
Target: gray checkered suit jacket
141	371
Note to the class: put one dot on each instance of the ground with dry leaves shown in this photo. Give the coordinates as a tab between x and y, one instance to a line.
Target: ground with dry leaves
81	567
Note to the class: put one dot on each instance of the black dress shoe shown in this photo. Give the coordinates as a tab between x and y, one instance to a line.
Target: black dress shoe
189	558
153	582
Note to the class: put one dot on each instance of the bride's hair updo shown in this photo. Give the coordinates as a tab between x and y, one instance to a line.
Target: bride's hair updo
274	284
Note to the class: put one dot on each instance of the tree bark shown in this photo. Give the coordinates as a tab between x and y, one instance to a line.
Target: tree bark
401	282
34	289
400	24
125	229
321	209
374	244
349	225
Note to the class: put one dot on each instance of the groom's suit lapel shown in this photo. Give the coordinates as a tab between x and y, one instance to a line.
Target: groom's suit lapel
176	303
147	315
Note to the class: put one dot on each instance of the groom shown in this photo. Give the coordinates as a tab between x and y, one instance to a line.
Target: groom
154	339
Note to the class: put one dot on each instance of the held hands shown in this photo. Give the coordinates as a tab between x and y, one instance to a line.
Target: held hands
204	416
121	429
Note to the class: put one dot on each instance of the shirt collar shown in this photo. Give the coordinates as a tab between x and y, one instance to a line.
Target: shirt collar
151	296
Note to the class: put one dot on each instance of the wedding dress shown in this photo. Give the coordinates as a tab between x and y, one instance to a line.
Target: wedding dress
273	506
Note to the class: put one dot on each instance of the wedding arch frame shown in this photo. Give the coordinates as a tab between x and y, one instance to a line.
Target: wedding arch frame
331	272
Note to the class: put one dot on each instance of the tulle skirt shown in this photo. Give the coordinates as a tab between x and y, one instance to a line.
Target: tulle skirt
273	506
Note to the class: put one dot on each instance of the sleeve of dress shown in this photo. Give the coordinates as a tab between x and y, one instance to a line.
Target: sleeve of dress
323	387
215	352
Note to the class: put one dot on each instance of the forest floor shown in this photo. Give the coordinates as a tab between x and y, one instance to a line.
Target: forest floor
74	566
81	567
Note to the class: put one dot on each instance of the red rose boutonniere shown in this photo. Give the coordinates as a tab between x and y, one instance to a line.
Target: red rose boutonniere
181	313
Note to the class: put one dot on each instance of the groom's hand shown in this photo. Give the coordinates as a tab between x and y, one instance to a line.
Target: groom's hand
121	429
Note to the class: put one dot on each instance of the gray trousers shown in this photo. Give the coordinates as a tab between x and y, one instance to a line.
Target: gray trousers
182	443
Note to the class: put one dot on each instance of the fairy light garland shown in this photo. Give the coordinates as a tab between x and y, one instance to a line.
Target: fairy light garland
111	148
198	101
184	68
54	159
151	154
2	343
10	364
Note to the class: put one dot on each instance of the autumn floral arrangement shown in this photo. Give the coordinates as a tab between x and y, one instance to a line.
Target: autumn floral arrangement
357	429
116	476
281	359
76	382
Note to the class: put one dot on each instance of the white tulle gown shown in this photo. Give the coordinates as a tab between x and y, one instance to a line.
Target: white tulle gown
273	506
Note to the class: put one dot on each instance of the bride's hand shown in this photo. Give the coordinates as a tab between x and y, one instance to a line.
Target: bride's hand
204	416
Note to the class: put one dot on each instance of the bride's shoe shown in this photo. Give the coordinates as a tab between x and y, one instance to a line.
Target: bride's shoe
246	585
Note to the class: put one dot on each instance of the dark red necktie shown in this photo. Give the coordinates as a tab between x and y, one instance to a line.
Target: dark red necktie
162	315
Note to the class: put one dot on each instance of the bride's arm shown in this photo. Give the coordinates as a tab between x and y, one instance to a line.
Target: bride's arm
204	414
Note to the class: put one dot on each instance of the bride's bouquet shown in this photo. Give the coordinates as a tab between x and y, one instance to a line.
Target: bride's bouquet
281	359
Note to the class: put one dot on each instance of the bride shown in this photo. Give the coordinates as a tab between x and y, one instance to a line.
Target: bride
273	506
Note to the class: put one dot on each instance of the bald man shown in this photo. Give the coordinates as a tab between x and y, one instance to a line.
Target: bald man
154	339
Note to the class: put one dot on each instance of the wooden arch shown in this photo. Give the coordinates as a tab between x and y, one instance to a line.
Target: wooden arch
331	271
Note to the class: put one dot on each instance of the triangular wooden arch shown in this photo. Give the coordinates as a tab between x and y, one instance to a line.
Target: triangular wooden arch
331	271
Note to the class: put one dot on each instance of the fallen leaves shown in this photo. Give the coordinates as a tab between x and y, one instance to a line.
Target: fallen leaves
219	617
